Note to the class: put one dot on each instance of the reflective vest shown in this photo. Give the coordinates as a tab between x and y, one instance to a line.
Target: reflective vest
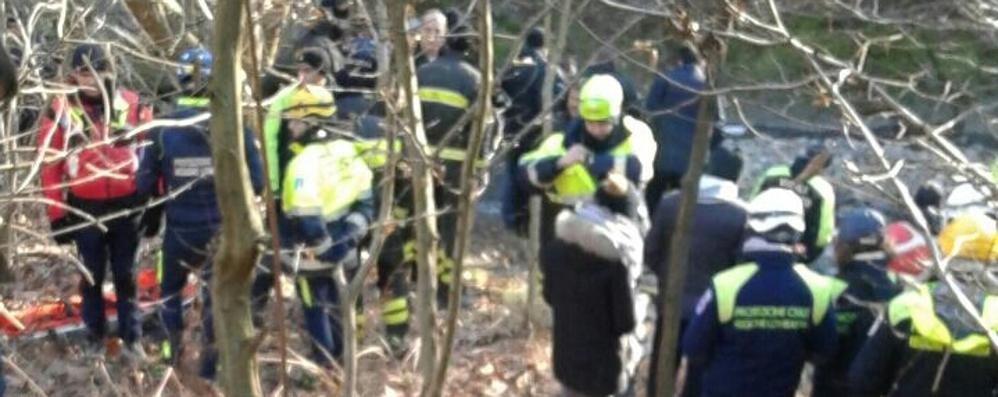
826	223
575	183
727	284
443	96
75	119
193	102
271	129
324	179
930	333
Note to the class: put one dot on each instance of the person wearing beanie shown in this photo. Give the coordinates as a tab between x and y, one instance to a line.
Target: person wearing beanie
357	79
672	105
322	35
337	9
715	244
862	288
758	322
804	176
311	65
929	199
590	270
90	161
725	160
523	84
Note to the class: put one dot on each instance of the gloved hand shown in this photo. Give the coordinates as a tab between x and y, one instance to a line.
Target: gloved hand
336	253
345	236
62	223
599	165
151	221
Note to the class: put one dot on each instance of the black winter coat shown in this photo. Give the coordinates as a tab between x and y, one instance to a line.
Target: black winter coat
593	307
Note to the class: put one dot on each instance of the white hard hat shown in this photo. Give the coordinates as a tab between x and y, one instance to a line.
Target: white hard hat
774	208
965	199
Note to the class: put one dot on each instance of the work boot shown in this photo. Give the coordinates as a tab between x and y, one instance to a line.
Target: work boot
208	366
397	342
443	295
93	347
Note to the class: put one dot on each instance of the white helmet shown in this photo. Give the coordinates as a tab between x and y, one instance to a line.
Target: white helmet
965	199
777	215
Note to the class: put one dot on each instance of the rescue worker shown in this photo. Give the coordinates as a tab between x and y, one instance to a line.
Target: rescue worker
568	166
715	244
322	35
523	83
804	177
928	344
357	79
672	104
432	37
590	269
327	199
758	322
310	66
448	88
90	165
929	199
863	289
180	159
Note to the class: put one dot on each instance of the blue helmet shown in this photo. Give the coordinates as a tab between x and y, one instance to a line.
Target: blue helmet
861	227
194	60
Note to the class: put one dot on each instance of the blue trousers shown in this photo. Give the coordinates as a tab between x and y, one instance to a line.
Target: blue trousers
185	249
116	247
320	304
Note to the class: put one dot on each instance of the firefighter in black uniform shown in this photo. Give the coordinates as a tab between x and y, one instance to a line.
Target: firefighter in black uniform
448	87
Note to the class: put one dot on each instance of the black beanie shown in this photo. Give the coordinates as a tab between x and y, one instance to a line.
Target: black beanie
91	54
535	38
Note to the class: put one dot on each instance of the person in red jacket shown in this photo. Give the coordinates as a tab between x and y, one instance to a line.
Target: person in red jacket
89	166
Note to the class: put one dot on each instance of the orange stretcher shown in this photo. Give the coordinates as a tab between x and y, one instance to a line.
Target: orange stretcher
62	317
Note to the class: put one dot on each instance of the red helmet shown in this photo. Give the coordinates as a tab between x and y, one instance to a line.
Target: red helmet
910	249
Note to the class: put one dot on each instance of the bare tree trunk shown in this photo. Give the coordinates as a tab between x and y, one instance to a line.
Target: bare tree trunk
8	93
535	206
679	248
348	319
275	246
422	188
148	13
466	201
350	292
241	224
536	201
274	19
